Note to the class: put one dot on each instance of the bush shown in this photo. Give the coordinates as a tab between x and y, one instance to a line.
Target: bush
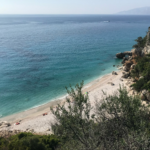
75	124
142	69
28	141
3	144
120	122
140	42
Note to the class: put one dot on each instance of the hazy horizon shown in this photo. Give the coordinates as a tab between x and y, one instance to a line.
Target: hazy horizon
68	6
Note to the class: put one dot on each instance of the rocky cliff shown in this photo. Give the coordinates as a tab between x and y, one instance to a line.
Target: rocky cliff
129	65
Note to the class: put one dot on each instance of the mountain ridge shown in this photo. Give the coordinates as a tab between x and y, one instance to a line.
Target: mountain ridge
136	11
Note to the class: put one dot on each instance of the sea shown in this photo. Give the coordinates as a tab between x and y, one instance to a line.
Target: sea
40	55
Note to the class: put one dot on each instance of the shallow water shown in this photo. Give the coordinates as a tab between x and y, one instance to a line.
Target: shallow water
40	55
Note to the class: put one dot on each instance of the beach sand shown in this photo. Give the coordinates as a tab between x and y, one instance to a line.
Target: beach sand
33	118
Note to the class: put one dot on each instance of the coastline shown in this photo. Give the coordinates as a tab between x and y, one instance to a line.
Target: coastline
52	102
34	119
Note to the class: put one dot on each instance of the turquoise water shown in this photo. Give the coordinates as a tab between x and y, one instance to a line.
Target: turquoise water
40	55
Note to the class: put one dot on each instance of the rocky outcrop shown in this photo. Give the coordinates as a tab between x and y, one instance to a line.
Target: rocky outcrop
121	55
145	95
146	50
4	124
129	63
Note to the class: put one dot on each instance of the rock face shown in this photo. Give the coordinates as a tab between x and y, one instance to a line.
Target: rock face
124	59
128	64
121	55
146	49
136	51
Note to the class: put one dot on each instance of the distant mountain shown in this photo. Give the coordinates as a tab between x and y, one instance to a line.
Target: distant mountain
136	11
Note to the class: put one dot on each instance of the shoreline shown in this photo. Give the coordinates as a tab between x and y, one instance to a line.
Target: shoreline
33	118
54	101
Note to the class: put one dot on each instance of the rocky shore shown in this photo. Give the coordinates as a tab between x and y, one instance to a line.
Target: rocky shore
129	62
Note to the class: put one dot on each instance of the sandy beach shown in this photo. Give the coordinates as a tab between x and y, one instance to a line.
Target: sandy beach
34	120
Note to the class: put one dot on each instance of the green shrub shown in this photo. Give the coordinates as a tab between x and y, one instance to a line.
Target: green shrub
139	85
28	141
3	144
119	122
140	42
142	69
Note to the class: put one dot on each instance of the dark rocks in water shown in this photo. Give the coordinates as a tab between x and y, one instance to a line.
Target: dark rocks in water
121	55
113	65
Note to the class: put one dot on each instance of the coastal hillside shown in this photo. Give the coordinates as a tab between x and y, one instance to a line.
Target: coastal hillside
136	11
136	67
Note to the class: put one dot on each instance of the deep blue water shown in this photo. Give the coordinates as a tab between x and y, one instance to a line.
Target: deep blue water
41	54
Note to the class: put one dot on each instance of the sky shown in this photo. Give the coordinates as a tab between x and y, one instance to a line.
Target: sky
69	6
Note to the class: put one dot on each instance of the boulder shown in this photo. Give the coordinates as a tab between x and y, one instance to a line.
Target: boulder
143	97
114	73
144	92
112	84
126	75
48	130
7	124
120	55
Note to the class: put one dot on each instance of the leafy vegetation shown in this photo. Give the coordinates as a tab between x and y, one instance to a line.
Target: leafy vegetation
140	42
28	141
142	69
120	122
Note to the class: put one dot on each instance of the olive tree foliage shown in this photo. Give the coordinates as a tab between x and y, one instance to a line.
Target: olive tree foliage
125	122
76	122
118	122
